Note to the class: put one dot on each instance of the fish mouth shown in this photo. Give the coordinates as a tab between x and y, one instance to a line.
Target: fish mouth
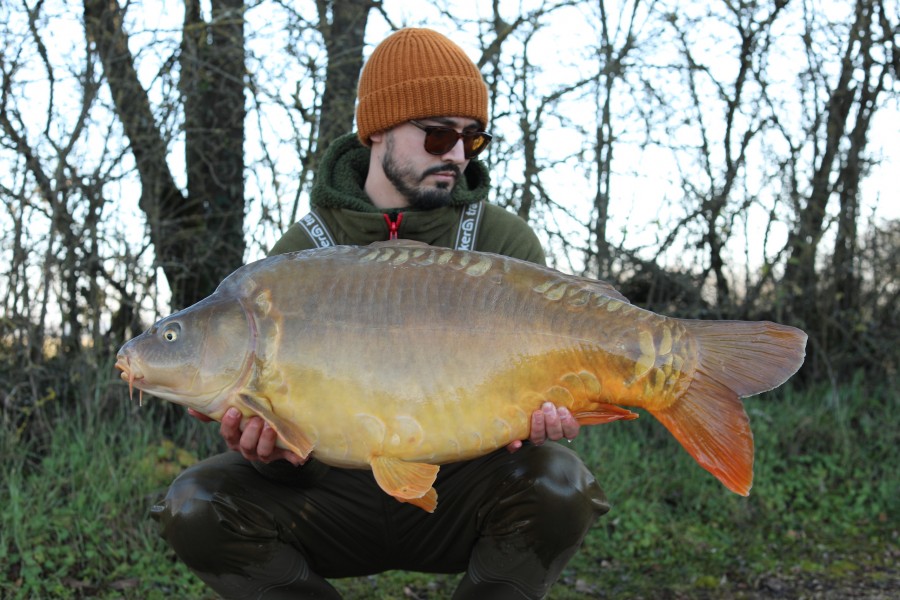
131	375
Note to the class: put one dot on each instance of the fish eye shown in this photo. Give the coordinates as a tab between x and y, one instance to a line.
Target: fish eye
170	333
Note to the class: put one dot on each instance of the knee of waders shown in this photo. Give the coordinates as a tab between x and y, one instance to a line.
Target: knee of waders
537	522
209	529
554	485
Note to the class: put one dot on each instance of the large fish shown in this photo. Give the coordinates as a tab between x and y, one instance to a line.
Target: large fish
400	357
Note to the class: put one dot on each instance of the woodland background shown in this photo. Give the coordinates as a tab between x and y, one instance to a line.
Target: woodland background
715	159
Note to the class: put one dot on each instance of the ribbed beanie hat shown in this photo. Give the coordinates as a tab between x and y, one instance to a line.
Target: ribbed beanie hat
414	74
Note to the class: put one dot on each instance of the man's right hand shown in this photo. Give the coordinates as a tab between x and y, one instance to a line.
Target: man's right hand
256	442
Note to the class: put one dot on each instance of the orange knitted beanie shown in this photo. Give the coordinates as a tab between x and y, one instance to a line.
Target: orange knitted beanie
414	74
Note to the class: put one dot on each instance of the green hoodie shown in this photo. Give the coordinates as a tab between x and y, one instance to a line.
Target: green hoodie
339	199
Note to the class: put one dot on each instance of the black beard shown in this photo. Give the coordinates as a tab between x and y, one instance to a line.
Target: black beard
419	198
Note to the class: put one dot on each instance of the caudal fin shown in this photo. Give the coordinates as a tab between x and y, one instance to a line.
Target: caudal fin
735	359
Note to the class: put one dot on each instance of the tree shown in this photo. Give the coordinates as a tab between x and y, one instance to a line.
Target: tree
617	41
198	235
344	35
839	130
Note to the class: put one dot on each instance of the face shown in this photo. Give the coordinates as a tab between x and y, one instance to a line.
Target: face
425	180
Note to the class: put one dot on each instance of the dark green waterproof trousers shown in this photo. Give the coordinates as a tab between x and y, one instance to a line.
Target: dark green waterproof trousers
511	521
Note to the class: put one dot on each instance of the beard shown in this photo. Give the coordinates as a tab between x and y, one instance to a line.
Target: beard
409	183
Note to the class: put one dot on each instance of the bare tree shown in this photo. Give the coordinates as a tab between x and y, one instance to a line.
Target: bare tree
839	130
198	236
517	158
724	107
618	37
343	28
55	194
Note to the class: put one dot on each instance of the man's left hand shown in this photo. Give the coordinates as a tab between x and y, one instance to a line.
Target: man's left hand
549	422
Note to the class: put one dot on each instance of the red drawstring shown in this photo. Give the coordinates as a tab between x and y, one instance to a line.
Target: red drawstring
393	224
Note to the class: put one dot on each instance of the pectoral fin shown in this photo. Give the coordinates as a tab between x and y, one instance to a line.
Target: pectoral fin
603	413
407	481
290	436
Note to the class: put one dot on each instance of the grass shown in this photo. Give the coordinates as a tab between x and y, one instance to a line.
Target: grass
74	505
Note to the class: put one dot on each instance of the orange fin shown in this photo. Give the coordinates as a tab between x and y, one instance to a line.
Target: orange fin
428	502
735	359
290	436
710	422
601	413
748	357
407	481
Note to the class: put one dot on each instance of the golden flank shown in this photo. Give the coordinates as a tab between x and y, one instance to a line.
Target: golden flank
400	357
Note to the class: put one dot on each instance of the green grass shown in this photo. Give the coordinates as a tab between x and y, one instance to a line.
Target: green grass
74	505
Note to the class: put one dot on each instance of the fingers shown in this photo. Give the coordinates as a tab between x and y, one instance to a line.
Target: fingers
230	428
281	453
265	447
552	426
552	423
538	427
513	446
256	442
569	424
250	438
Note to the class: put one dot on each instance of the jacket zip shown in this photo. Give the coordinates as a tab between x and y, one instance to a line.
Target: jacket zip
393	220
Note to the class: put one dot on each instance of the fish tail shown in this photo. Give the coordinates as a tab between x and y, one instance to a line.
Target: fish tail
735	359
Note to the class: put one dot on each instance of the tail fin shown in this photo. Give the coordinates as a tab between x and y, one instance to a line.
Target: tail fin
735	359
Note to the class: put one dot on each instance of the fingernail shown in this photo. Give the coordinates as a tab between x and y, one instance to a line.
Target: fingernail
564	412
547	407
233	413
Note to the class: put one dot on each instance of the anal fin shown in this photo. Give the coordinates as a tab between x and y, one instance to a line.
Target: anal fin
601	413
428	502
407	481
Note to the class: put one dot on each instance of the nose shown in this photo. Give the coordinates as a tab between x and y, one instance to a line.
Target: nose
456	154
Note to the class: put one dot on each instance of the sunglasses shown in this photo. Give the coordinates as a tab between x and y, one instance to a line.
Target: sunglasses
441	140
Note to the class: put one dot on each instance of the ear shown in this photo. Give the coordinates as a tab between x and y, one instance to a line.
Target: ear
377	138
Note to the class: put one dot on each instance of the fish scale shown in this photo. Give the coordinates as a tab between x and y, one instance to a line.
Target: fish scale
399	357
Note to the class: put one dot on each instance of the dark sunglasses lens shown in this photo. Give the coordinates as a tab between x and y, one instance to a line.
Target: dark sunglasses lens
440	140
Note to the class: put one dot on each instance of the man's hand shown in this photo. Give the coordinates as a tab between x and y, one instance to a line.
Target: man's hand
257	440
549	422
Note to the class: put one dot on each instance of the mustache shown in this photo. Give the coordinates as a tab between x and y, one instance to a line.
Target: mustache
442	169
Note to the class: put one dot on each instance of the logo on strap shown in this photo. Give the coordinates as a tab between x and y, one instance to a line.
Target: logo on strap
468	226
316	230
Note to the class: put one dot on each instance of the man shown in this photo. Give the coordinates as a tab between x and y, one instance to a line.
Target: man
261	522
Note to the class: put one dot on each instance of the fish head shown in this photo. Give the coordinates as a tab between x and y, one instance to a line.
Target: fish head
195	357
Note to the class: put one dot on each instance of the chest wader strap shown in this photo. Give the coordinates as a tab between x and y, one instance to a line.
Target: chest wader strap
469	221
466	233
316	229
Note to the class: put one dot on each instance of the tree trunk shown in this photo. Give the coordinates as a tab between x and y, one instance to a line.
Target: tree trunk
212	86
344	36
800	271
199	238
161	200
